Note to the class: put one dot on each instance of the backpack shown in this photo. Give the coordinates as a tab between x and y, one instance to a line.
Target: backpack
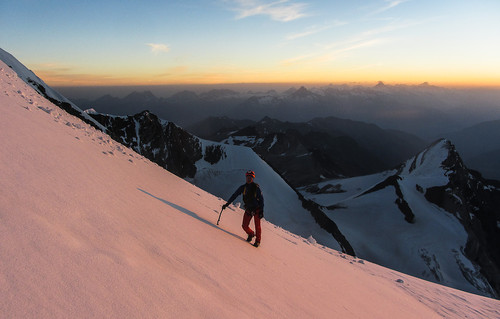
250	195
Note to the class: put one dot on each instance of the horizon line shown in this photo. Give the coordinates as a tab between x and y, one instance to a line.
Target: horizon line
319	83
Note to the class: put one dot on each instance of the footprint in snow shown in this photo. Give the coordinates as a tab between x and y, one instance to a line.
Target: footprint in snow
46	110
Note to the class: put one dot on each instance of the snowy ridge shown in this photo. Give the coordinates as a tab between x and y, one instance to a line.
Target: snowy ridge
36	83
428	162
430	242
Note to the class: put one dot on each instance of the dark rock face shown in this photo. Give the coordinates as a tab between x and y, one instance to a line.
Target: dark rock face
400	200
476	203
307	157
217	128
162	142
327	224
214	153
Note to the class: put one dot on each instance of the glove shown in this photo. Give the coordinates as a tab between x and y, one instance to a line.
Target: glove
225	206
261	213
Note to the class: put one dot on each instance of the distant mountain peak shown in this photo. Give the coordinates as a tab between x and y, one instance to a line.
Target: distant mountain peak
302	93
268	120
425	84
145	95
184	96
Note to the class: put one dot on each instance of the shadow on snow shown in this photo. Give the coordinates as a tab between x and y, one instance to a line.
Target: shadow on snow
190	213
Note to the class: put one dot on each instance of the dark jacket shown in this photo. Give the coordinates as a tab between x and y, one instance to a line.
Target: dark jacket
252	197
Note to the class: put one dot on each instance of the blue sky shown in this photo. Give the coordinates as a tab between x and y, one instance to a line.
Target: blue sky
221	41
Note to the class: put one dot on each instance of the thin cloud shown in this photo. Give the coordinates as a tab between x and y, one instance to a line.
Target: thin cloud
370	34
281	10
356	46
330	54
158	48
389	5
313	30
392	27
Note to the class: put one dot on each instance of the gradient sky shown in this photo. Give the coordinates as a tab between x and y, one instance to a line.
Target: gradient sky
131	42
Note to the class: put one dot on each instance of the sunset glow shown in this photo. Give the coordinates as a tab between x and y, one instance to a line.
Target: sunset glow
255	41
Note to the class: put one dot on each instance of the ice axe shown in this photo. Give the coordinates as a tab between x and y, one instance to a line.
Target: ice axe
219	215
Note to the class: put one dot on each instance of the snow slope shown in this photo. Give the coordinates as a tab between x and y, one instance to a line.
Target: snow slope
91	229
431	247
282	205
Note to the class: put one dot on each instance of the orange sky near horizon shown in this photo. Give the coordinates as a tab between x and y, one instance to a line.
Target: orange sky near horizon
116	43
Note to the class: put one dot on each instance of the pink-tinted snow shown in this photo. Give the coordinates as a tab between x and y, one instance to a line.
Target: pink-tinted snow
90	229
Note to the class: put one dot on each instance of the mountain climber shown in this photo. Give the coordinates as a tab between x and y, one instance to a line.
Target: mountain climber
254	206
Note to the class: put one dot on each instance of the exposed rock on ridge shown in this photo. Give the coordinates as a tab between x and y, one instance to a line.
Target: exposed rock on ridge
475	202
162	142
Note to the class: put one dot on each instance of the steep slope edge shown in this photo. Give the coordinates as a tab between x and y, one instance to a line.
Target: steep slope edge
475	202
43	89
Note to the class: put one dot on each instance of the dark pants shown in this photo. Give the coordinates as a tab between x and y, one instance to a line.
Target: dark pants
246	221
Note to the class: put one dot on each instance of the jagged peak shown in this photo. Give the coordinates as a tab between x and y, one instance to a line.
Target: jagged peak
436	157
145	113
302	92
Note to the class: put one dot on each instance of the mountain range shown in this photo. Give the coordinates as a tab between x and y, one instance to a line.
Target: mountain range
430	193
319	149
425	111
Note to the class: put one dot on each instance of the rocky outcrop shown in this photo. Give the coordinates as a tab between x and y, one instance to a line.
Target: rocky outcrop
214	153
162	142
476	203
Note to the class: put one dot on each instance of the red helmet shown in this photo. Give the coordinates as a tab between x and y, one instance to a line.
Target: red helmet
250	173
